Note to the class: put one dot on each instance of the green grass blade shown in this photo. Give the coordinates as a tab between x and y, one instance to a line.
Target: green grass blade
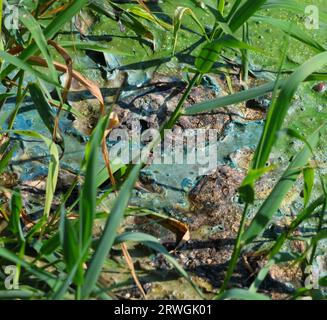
108	237
17	62
321	235
309	177
69	243
210	52
19	294
231	99
244	13
278	110
14	224
275	198
89	189
281	257
45	111
241	294
1	20
147	15
50	31
53	169
246	190
233	9
1	42
36	32
63	288
5	96
50	245
220	21
177	22
302	216
5	159
323	281
221	6
42	275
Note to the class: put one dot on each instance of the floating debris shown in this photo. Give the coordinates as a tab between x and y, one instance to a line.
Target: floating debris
320	87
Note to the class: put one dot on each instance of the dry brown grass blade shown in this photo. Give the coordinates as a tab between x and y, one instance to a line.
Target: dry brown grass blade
69	65
95	91
145	7
105	153
15	50
180	229
91	86
113	122
54	11
44	7
130	264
